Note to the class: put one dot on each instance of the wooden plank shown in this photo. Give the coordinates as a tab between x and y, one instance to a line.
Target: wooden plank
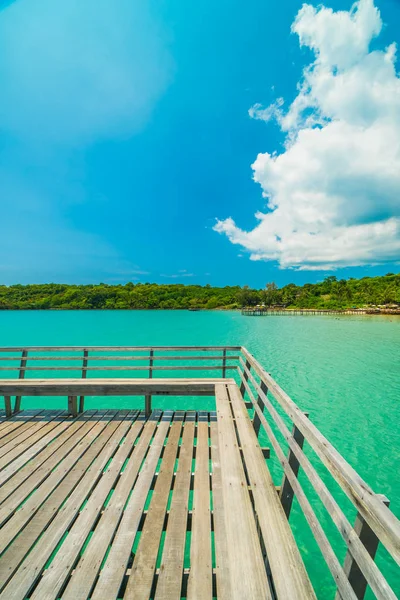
374	577
114	569
351	568
60	569
73	405
224	358
128	368
287	568
224	587
32	505
31	451
315	526
286	493
16	421
242	387
38	461
88	567
381	520
169	581
16	428
17	406
30	477
118	358
84	374
28	439
57	514
7	406
15	436
260	403
248	577
114	348
141	578
200	576
109	387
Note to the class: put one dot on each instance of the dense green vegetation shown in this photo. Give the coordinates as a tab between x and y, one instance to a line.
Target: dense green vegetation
330	293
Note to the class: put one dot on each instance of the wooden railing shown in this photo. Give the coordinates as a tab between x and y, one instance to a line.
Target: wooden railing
374	523
272	410
73	361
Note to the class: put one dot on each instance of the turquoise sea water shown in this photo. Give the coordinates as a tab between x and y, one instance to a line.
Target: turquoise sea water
345	371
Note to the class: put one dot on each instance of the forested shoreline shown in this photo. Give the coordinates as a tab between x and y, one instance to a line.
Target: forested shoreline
330	293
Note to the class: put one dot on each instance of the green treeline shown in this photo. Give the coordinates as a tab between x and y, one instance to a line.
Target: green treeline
330	293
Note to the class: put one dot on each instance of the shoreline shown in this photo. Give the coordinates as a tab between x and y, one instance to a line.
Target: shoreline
288	312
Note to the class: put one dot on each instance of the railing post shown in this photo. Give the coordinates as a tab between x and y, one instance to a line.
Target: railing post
286	493
245	375
7	406
17	406
147	398
260	403
370	542
73	405
224	363
84	373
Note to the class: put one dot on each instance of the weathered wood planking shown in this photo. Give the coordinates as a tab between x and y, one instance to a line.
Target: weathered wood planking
58	512
248	578
89	565
109	387
370	570
84	505
29	477
140	581
115	567
117	358
200	576
381	520
287	568
115	348
169	582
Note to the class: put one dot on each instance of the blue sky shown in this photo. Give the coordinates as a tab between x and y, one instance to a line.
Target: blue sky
125	134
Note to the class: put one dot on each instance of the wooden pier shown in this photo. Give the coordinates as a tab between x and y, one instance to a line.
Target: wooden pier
265	311
169	504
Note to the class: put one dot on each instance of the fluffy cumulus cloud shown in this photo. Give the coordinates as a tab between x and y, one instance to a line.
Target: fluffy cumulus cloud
333	194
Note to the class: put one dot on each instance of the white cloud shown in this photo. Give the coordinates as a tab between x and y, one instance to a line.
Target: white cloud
333	195
181	273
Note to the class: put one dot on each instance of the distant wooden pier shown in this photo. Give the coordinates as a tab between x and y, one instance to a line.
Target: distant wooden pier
169	504
262	312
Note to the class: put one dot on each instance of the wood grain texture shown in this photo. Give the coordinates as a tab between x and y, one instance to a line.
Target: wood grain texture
109	387
169	582
378	516
200	576
246	565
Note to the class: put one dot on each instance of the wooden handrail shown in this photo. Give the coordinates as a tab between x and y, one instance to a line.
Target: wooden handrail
21	376
117	357
115	348
372	574
374	520
334	566
110	387
381	520
124	368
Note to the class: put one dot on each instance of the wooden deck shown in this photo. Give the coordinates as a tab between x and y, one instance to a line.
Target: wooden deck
113	505
146	504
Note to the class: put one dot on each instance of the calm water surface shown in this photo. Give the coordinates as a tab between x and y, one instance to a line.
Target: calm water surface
345	371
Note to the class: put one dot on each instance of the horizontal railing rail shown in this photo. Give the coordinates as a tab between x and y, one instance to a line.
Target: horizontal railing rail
375	522
28	361
74	388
